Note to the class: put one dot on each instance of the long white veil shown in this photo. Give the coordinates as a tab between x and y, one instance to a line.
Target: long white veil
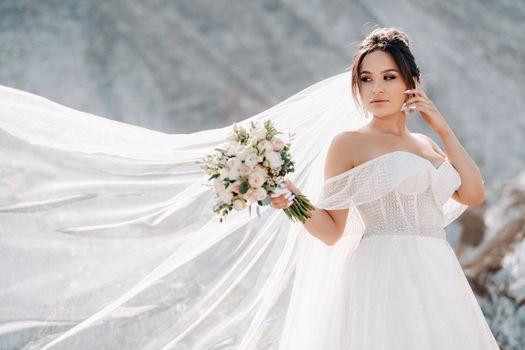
108	239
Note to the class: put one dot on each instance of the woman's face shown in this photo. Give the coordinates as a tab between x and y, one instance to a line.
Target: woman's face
380	78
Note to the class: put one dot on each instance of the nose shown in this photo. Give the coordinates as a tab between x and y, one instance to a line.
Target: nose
377	87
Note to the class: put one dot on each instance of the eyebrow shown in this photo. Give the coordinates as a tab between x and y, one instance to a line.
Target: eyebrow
386	70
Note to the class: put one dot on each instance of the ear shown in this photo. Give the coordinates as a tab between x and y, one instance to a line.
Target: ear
414	78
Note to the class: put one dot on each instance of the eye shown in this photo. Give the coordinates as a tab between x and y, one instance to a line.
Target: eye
364	79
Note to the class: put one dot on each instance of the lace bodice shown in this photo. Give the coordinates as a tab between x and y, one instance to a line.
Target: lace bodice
395	193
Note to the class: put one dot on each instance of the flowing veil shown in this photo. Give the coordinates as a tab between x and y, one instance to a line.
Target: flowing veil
108	239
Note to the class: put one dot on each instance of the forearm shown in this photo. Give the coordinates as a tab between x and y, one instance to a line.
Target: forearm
322	226
471	189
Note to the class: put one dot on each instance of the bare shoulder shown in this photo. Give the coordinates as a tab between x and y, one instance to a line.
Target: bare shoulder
338	157
431	142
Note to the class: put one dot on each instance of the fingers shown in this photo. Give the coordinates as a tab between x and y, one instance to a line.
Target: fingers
414	100
281	196
280	191
417	91
282	201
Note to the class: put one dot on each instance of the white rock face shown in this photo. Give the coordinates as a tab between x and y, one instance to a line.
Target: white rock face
187	65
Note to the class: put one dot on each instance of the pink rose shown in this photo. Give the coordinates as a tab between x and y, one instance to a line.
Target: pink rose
260	194
277	143
260	169
250	195
244	169
235	187
225	196
256	179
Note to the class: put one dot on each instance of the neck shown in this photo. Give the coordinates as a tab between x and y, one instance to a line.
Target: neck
394	124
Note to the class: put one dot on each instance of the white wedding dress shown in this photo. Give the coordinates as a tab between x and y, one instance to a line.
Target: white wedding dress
108	241
404	287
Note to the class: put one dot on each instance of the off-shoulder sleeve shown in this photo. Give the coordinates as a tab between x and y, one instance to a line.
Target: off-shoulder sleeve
452	209
359	185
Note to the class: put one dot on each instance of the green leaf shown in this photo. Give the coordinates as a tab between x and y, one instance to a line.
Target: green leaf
269	188
243	188
267	201
213	177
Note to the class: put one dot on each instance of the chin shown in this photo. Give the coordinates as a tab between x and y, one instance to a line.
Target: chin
381	113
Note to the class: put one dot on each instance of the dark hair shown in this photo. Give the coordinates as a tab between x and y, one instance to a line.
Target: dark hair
390	40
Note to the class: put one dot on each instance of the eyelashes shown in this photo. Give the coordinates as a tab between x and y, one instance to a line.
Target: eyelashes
363	79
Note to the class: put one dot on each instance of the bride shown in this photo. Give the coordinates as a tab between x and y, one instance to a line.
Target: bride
404	286
108	239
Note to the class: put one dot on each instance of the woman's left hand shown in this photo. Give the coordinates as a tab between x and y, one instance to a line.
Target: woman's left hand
427	109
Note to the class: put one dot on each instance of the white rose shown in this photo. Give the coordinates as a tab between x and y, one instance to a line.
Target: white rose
277	143
260	133
275	160
232	150
260	194
223	173
239	204
226	196
241	155
240	149
251	161
233	174
265	146
234	163
247	152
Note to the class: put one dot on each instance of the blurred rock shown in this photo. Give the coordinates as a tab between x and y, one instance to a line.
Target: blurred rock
181	66
495	236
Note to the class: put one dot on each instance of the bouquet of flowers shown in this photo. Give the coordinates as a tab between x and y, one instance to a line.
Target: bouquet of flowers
249	166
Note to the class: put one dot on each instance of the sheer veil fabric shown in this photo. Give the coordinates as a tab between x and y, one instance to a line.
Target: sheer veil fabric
108	239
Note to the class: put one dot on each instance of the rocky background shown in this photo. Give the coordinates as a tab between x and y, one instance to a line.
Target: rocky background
182	66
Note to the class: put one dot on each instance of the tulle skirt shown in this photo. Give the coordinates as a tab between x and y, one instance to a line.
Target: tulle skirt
409	292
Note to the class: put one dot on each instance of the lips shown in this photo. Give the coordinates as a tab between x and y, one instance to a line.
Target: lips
380	100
